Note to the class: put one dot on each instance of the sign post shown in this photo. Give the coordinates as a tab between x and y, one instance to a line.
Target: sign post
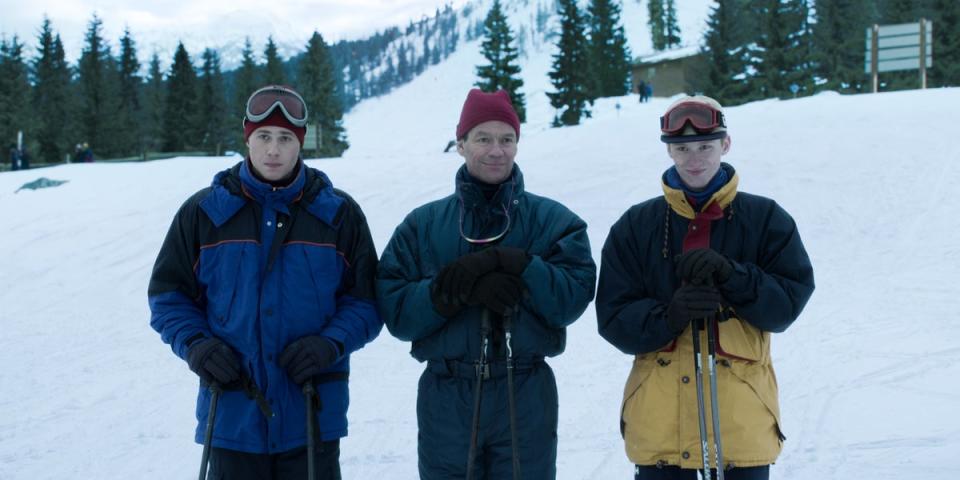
905	46
874	60
314	138
923	50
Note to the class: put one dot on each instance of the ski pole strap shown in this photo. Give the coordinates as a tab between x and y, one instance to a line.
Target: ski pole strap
508	339
253	392
482	368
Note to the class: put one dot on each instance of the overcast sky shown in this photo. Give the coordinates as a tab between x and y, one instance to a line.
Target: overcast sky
334	19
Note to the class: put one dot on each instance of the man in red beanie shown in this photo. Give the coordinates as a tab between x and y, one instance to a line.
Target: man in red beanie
484	283
264	286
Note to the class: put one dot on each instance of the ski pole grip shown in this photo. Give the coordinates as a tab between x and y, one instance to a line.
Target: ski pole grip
486	321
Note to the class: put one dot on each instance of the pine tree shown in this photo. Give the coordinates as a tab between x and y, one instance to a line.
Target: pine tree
154	105
899	11
543	18
421	62
838	45
15	112
655	19
946	43
427	53
246	81
99	96
180	119
609	57
51	80
212	105
273	70
129	139
437	52
781	49
404	70
387	79
317	82
671	29
724	56
502	71
835	53
357	81
568	76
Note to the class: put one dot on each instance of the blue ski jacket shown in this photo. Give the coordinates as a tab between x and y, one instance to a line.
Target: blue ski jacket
260	267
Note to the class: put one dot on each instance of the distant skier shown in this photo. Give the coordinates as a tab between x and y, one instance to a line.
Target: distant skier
495	265
24	159
265	283
14	157
642	91
702	251
87	153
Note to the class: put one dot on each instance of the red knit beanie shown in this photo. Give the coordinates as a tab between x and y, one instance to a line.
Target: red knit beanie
482	107
276	119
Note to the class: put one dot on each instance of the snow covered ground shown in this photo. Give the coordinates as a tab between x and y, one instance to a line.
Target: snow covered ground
867	374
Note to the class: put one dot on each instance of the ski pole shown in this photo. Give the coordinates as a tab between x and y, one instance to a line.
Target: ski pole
308	393
208	436
507	325
714	405
701	409
483	372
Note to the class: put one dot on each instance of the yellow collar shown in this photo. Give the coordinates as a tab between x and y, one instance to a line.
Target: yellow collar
678	200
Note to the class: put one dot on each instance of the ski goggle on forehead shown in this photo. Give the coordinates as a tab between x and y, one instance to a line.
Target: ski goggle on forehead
265	100
702	117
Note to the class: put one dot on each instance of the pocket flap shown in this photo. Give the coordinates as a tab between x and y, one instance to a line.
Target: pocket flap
739	340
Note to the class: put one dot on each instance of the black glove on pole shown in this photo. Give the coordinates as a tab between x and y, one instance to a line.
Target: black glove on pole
691	303
455	281
703	266
307	357
214	361
445	306
500	292
512	260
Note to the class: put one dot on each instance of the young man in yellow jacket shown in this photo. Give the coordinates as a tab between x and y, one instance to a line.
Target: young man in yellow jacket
701	257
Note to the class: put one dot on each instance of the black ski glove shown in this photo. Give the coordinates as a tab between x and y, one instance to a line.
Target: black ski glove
691	303
446	307
455	282
500	292
307	357
703	266
214	361
512	260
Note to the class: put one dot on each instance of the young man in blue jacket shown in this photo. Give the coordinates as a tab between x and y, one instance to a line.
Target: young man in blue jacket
265	283
484	283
